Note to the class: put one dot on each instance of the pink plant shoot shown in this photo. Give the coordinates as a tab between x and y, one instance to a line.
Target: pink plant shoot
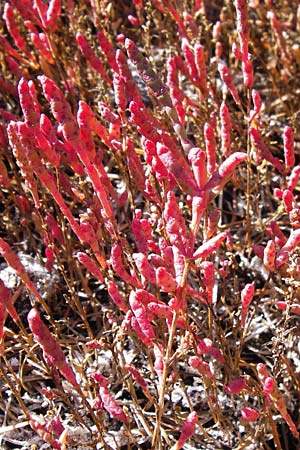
188	429
137	376
91	57
144	267
210	246
275	396
290	245
202	366
262	150
110	404
90	265
249	414
7	302
140	312
288	148
236	386
227	80
210	145
247	295
226	127
201	68
223	174
293	178
242	26
165	280
53	353
208	271
270	255
11	24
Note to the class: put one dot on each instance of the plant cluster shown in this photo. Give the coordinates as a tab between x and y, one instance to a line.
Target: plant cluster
150	224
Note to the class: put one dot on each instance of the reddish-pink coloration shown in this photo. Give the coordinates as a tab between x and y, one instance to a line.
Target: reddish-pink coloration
144	267
54	229
142	231
189	57
294	178
159	359
137	376
222	175
198	207
4	177
175	225
111	406
133	20
118	265
208	272
188	429
201	68
52	15
295	309
203	367
113	119
249	414
288	148
134	325
7	301
135	166
210	246
262	150
288	200
90	265
140	312
270	256
42	429
52	351
210	146
14	262
90	55
290	245
150	78
144	121
49	259
248	75
247	295
2	323
62	113
279	236
276	396
257	102
204	346
108	50
242	26
100	379
178	264
236	386
269	385
41	43
226	127
29	106
177	94
41	9
9	17
197	159
87	122
164	280
227	79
